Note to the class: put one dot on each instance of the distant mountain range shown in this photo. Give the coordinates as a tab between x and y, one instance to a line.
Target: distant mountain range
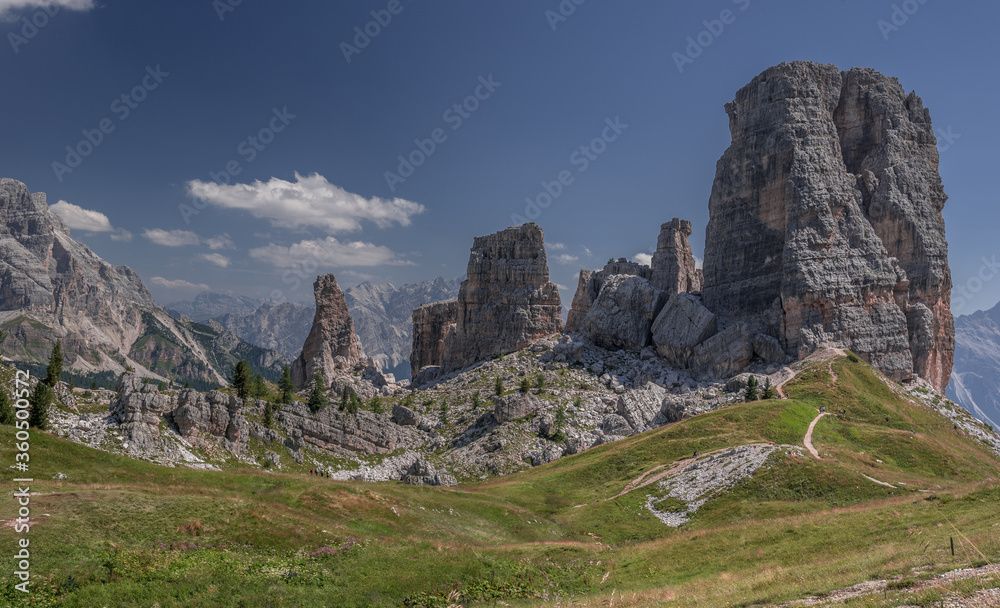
382	318
975	380
55	288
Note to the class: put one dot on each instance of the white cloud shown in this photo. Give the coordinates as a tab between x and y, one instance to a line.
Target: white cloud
10	6
328	252
78	218
557	246
220	242
122	236
172	238
565	258
179	284
214	258
643	258
587	251
309	201
698	262
562	287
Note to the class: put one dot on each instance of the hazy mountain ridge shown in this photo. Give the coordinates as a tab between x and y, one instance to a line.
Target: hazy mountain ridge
975	380
383	317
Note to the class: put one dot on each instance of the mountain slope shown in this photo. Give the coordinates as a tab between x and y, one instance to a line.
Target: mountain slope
569	528
55	288
279	327
975	381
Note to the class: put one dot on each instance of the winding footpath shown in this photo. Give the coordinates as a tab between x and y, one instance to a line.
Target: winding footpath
809	436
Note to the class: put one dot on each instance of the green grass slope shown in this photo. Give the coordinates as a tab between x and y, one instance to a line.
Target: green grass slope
118	532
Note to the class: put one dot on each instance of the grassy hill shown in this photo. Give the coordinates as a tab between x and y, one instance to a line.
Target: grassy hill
119	532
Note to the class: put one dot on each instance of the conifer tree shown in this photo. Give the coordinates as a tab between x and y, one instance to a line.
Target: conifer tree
752	384
241	379
6	409
55	366
318	398
38	406
286	386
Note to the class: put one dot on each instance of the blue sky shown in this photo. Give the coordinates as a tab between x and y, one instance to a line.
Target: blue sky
534	80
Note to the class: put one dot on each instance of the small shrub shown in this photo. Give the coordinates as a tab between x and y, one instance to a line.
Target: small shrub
853	358
525	385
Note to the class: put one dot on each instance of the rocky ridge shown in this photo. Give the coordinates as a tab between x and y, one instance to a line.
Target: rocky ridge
332	346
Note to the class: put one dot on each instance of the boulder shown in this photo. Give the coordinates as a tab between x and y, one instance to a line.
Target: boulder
623	313
682	324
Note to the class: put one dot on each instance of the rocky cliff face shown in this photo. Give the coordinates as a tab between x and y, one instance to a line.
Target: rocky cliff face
332	345
507	301
383	318
432	325
590	284
673	266
825	203
54	288
975	381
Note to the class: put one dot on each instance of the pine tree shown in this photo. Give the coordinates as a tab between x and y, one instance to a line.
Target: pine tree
752	384
241	379
525	385
259	389
38	406
498	386
769	392
476	401
376	405
55	367
286	386
6	410
268	414
318	398
444	410
560	423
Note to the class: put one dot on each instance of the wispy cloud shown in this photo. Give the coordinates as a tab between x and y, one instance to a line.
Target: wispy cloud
179	284
328	252
565	258
78	218
587	252
643	258
122	236
220	242
7	7
310	201
172	238
214	258
556	246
